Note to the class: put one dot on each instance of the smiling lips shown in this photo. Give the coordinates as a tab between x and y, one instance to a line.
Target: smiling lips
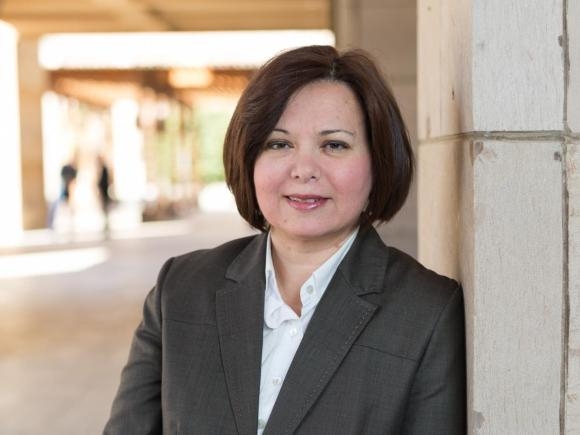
306	202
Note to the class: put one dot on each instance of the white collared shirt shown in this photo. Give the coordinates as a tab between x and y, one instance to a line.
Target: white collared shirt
284	329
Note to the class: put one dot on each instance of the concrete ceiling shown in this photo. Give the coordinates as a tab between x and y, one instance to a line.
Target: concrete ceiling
38	17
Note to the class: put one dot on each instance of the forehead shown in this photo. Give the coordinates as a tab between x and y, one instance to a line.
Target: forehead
323	101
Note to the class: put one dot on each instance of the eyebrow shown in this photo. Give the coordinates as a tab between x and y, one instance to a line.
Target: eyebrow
338	130
322	133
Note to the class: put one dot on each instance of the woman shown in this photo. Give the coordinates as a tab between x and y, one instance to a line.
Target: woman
314	326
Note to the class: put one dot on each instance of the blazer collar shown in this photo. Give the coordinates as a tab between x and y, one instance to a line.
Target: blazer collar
365	265
367	251
239	315
339	319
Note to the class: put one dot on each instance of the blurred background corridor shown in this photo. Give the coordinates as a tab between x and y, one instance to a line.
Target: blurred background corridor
112	116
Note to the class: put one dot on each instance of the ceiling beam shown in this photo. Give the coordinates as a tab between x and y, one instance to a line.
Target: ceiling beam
136	15
38	17
242	6
34	28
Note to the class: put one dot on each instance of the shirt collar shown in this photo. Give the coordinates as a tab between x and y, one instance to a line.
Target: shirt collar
275	309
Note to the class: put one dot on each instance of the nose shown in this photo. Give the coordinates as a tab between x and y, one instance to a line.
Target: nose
305	167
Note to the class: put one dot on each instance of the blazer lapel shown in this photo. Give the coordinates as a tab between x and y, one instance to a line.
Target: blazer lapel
339	319
239	312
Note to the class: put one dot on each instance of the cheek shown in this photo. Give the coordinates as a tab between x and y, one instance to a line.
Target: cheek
263	178
357	179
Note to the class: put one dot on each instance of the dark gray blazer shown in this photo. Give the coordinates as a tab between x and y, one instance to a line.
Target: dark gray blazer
384	352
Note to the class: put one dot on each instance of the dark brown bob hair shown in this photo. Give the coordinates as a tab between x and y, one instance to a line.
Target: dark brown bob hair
264	100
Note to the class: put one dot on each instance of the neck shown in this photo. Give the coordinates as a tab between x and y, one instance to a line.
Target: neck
295	261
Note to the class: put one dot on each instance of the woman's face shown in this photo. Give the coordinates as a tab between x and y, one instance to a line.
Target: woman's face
314	176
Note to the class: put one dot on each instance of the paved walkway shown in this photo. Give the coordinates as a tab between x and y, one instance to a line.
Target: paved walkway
67	314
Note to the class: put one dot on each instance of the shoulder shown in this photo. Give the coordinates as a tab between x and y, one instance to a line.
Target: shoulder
374	267
187	284
421	293
213	261
411	300
405	272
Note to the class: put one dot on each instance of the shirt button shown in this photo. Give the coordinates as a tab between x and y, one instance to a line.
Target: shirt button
309	289
277	380
293	332
261	424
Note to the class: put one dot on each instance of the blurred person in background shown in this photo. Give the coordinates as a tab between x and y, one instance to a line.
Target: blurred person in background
104	181
314	326
68	176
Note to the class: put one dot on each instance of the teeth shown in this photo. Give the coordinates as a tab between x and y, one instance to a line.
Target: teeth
307	200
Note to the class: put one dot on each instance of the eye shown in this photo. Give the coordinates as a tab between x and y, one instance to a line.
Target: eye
335	145
277	145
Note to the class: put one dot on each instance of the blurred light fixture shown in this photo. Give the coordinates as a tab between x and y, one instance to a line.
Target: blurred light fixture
190	78
218	49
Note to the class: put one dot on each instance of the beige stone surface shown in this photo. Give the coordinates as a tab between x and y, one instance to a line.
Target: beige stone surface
517	306
517	69
439	195
445	227
490	215
573	381
473	77
491	205
444	68
573	100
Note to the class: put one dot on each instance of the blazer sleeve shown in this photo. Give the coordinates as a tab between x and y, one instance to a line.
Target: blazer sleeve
437	405
136	408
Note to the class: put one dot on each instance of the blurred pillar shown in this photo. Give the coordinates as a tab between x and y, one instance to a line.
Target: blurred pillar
10	176
128	161
33	83
499	200
346	23
388	30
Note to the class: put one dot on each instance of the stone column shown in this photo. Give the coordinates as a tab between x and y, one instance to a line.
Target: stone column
10	177
498	200
33	83
571	41
388	30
